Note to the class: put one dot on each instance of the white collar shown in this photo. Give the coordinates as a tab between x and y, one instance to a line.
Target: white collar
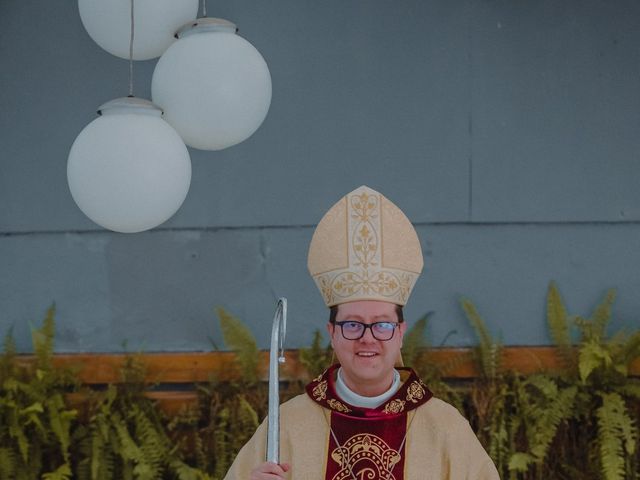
349	396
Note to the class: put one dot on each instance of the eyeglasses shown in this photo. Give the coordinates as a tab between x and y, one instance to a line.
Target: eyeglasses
352	330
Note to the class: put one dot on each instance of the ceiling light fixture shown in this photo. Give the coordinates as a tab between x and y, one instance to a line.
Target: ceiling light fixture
107	23
213	85
129	170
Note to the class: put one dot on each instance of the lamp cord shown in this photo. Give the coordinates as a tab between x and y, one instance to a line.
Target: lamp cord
131	53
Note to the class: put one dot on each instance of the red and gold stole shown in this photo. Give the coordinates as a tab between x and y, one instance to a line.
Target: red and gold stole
367	443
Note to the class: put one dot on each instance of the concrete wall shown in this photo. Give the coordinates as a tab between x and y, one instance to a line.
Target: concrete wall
507	131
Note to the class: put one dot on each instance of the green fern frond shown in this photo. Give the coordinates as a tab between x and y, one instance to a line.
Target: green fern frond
133	373
17	434
221	444
544	384
521	461
630	389
186	472
602	314
63	472
9	345
630	350
129	449
497	427
8	463
246	414
559	326
488	352
244	423
316	358
152	445
240	339
102	448
592	355
558	410
60	422
611	437
414	342
42	339
7	364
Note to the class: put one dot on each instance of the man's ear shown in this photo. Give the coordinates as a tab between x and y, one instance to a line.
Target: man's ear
331	329
402	326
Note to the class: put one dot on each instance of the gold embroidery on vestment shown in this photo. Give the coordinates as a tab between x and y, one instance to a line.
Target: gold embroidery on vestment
338	406
415	392
320	391
367	456
394	406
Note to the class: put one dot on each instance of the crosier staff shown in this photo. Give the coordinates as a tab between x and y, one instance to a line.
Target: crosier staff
277	344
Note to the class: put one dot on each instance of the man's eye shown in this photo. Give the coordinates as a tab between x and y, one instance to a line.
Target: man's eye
384	326
352	326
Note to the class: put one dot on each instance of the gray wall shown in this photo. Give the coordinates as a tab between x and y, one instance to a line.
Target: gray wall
508	131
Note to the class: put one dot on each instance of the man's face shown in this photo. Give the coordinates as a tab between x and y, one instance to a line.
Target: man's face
367	363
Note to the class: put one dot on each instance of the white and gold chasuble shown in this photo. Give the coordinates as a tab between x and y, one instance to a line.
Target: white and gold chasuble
411	436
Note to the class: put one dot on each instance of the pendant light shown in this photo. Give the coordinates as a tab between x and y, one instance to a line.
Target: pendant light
107	23
129	170
213	85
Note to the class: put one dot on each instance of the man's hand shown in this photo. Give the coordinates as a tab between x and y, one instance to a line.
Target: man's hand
270	471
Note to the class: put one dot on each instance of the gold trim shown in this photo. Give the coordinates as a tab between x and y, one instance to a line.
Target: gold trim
415	392
338	406
394	406
320	391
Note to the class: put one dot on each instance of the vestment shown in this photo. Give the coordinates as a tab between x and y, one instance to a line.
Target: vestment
440	444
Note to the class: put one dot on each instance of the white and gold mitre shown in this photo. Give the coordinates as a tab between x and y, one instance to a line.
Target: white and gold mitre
365	248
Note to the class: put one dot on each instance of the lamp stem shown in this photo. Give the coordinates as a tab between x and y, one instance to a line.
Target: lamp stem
131	53
204	8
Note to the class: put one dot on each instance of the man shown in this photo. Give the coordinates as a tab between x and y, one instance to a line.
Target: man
364	418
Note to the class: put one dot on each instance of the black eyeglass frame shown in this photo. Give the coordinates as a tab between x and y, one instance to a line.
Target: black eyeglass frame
364	329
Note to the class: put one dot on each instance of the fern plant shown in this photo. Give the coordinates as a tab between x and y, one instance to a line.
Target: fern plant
606	394
229	411
417	353
316	359
35	423
492	400
240	339
125	436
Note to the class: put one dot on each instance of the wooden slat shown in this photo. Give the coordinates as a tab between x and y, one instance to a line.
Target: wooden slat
171	403
93	369
188	368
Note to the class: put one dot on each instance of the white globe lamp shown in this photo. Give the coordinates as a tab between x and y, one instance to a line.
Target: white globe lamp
108	23
213	85
129	170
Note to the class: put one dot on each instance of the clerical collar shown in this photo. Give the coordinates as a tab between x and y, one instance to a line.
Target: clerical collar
411	393
352	398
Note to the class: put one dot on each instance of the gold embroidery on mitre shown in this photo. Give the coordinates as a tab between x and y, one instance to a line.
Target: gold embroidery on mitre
320	391
326	289
365	456
394	406
415	392
338	406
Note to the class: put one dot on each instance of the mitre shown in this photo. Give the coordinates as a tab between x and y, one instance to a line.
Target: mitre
365	248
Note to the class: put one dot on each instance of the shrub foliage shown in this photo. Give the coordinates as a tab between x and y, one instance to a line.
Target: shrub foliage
579	422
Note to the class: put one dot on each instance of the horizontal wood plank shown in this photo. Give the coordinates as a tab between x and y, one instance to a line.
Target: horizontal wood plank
456	363
176	372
